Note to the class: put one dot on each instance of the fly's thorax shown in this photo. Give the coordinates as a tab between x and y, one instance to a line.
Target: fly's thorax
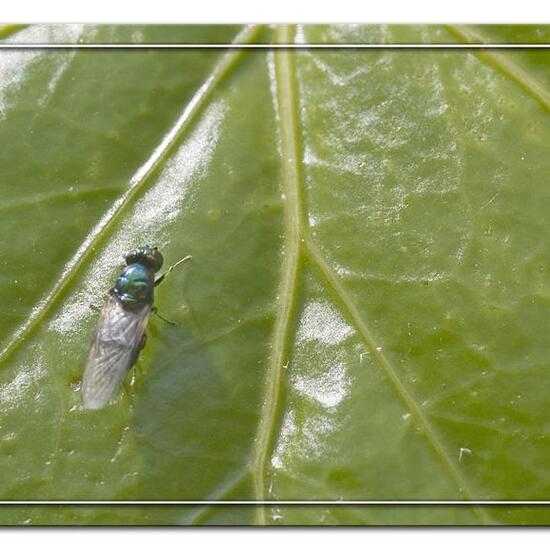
135	285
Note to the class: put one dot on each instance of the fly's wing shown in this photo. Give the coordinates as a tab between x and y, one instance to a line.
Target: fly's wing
115	349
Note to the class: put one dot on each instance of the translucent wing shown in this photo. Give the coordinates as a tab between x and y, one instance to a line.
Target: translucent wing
115	349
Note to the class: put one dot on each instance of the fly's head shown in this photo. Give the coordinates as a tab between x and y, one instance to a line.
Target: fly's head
147	256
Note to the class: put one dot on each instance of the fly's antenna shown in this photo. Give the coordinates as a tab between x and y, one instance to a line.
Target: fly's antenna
161	278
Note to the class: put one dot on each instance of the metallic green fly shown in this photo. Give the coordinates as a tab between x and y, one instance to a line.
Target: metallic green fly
120	335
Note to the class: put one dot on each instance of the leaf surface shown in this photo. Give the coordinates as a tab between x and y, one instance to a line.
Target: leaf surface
367	309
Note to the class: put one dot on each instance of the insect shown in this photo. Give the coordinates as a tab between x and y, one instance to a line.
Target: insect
120	335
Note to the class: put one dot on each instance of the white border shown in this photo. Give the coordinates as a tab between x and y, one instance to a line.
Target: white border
281	11
274	538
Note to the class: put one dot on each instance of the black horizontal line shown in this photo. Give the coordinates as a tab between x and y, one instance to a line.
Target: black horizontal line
275	502
16	46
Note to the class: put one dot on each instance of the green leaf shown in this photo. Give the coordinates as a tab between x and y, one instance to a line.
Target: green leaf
367	312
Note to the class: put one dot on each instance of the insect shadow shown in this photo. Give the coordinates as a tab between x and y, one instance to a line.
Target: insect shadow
177	415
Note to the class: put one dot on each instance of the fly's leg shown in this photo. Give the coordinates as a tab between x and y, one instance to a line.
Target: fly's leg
161	278
156	312
134	381
96	307
142	342
138	349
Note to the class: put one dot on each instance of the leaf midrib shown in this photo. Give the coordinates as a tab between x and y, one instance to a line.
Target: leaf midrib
298	241
290	269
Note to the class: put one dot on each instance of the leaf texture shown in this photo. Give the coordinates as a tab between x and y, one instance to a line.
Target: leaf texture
366	315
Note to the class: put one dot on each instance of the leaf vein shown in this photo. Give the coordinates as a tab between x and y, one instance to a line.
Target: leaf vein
505	65
316	257
286	104
223	491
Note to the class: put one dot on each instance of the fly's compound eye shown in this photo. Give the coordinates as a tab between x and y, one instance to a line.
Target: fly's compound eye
147	256
157	259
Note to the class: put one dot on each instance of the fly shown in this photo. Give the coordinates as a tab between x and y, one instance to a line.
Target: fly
120	335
